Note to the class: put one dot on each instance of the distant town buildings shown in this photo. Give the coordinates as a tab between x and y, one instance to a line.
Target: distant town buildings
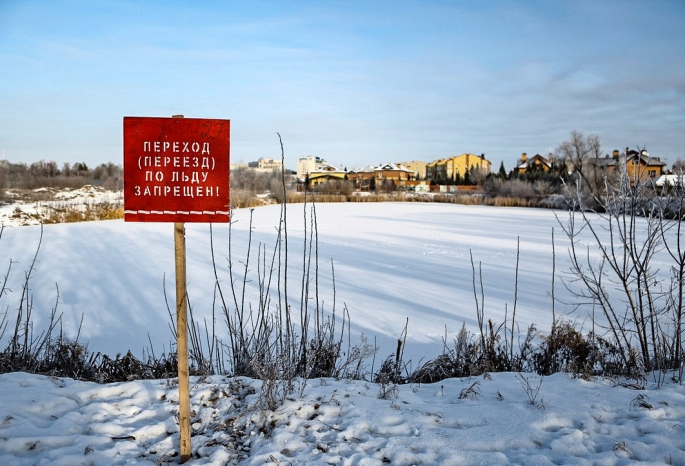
264	165
466	168
269	164
410	175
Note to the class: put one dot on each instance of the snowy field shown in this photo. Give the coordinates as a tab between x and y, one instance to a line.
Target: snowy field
393	263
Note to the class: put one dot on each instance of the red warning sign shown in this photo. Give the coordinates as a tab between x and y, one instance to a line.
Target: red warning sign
176	170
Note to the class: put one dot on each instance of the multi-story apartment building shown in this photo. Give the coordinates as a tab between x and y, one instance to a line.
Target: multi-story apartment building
454	168
308	164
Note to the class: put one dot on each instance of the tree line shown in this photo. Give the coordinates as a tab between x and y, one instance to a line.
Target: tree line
48	174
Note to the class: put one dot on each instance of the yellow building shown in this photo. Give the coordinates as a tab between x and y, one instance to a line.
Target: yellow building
453	168
417	166
325	174
534	163
639	166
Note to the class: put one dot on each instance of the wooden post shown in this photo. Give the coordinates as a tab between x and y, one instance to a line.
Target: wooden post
182	341
182	338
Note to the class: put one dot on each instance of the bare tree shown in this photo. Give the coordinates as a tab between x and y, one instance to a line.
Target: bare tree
679	165
582	154
478	176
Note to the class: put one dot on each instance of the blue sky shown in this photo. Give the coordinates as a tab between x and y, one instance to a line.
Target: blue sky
355	82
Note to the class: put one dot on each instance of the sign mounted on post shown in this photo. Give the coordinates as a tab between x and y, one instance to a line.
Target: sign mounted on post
176	170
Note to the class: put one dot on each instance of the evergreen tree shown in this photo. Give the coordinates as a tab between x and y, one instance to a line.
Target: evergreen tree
467	177
502	172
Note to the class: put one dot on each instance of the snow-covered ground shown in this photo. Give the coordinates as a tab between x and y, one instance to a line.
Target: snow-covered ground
32	207
53	421
393	263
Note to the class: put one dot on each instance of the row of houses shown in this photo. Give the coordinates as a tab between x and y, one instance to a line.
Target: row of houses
363	178
639	166
314	171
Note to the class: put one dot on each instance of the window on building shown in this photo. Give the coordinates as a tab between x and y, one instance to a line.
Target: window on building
652	173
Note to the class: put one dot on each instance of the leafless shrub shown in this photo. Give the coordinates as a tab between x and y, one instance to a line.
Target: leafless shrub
471	392
622	447
514	188
640	401
564	350
275	387
393	370
629	231
277	193
242	199
531	391
351	363
251	180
